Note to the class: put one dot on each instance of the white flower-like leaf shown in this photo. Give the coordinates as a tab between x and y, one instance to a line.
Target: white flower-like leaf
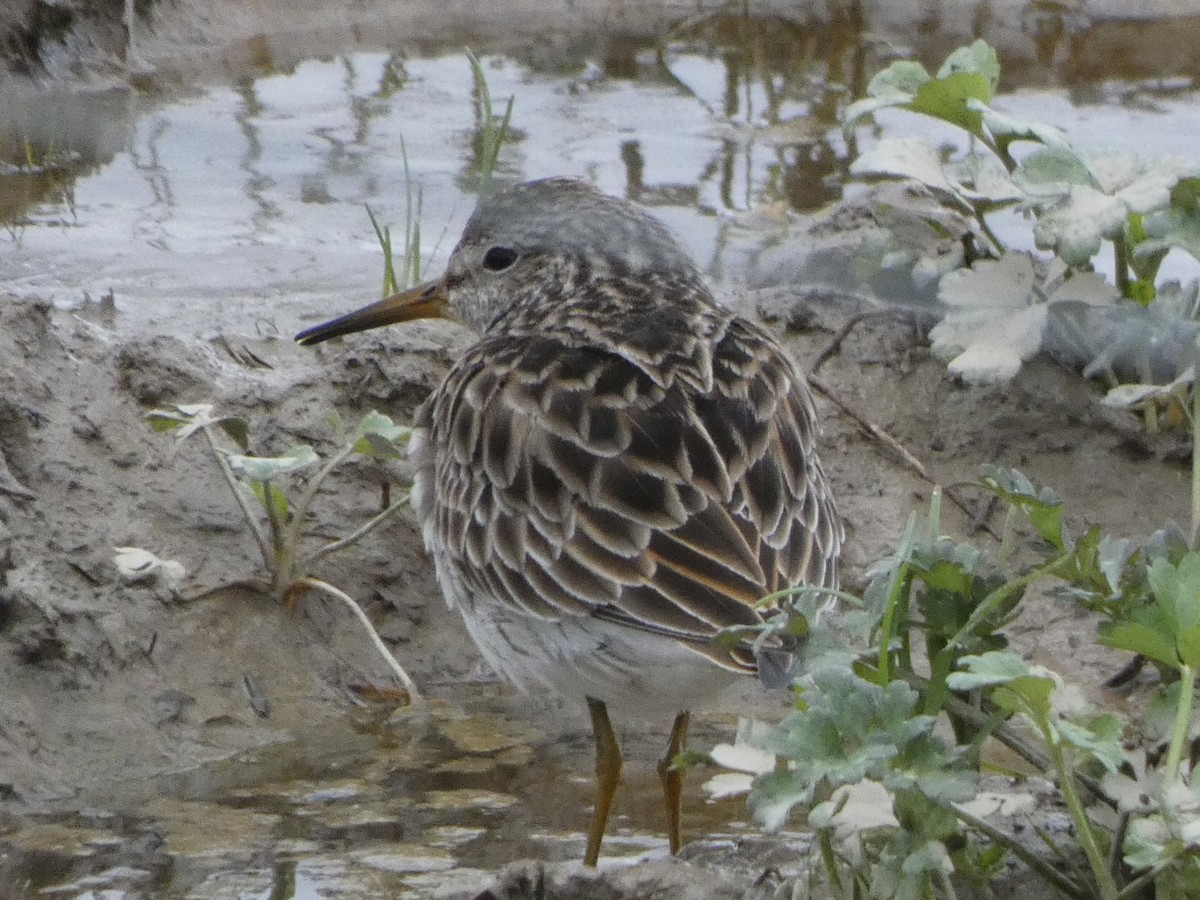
1139	396
1093	206
745	759
998	311
728	784
991	803
138	566
905	158
854	808
265	468
990	326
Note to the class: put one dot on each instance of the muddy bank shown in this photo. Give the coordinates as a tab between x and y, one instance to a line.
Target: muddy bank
111	686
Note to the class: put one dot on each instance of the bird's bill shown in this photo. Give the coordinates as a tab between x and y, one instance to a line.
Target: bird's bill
425	301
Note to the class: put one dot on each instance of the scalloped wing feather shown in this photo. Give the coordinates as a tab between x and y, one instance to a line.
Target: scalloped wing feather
569	481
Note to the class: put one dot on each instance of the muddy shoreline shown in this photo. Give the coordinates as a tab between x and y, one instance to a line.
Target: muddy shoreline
219	748
111	684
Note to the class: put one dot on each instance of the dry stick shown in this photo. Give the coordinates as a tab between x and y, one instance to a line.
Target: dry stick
879	434
833	347
835	344
397	670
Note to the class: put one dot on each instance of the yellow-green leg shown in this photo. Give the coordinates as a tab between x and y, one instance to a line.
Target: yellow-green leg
608	776
672	780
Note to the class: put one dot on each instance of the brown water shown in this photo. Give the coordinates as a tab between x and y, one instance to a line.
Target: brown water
375	806
238	206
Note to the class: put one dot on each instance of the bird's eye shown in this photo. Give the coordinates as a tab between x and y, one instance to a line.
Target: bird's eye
497	259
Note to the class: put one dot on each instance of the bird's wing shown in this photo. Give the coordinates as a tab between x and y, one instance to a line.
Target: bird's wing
572	482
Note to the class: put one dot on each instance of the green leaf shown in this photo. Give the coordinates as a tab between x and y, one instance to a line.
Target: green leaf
1078	209
377	436
1006	129
238	430
188	418
894	86
1188	642
1044	508
905	158
977	58
988	669
377	446
164	420
1048	173
901	79
272	494
1101	737
946	99
1113	560
1138	638
967	77
930	858
375	422
266	468
1030	695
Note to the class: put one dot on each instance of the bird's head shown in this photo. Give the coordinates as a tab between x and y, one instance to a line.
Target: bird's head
527	241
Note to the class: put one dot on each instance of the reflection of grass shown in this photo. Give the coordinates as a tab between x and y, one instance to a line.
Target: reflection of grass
36	176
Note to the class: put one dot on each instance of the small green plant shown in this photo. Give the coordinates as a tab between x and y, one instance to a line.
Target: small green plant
1002	311
410	263
491	130
934	613
275	499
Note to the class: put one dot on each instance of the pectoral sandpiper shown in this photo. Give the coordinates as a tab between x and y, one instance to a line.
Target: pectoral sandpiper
618	469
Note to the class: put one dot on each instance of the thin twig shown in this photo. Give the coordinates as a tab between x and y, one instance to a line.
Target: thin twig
405	681
839	337
257	585
835	343
879	434
363	529
264	545
1031	859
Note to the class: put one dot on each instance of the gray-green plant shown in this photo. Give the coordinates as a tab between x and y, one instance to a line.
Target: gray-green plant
1000	310
932	621
275	495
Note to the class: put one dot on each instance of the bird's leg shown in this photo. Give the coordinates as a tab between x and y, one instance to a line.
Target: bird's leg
608	776
672	780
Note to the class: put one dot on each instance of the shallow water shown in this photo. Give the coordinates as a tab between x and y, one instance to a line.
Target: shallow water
371	807
239	206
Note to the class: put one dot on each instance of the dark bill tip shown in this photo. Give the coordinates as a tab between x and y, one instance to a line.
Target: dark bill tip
426	301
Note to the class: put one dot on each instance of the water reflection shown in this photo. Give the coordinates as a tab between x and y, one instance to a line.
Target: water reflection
378	809
219	200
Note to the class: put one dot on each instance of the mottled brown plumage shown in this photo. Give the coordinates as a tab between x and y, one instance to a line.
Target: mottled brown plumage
618	469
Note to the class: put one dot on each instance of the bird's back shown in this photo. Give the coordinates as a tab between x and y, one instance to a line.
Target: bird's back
638	457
